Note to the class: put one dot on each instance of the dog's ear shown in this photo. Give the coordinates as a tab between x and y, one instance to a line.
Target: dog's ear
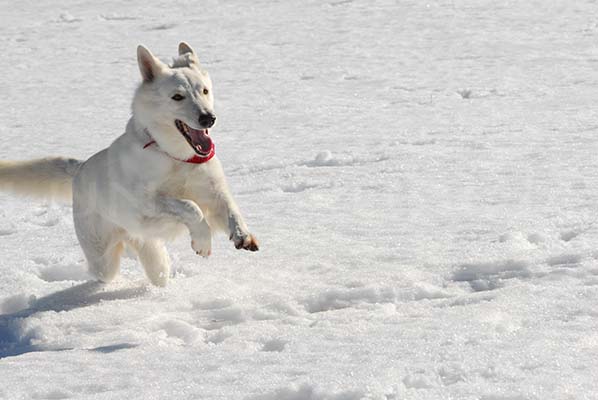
149	65
184	48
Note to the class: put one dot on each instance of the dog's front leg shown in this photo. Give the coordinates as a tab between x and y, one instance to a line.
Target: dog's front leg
231	218
188	213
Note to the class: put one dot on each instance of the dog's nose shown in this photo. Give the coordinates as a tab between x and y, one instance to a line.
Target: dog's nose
207	120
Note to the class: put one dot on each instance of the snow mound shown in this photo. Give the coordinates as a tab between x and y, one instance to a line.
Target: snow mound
67	272
183	331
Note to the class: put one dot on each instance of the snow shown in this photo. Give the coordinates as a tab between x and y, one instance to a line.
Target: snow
422	178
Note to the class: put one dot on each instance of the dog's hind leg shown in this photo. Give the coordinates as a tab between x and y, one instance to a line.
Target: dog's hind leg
108	268
101	242
154	258
103	260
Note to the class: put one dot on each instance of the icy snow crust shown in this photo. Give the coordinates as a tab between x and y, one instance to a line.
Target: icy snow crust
422	177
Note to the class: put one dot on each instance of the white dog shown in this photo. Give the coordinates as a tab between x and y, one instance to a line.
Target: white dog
159	177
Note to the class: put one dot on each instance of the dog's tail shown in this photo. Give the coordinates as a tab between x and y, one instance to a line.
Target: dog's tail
45	177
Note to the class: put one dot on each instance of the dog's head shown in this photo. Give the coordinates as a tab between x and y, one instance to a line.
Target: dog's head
175	103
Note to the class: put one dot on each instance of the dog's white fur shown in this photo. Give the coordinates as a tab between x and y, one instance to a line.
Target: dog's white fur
131	195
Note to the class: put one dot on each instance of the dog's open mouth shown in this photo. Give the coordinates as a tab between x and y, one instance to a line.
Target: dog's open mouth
198	139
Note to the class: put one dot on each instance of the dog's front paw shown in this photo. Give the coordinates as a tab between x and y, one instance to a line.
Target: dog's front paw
246	242
201	241
202	246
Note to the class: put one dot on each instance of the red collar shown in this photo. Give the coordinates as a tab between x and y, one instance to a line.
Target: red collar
196	159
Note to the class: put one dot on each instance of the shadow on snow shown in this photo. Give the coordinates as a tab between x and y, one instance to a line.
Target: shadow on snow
14	340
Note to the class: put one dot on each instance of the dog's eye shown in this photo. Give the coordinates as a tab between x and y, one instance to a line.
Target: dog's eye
206	91
177	97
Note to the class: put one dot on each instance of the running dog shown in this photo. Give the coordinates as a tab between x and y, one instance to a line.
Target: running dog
158	178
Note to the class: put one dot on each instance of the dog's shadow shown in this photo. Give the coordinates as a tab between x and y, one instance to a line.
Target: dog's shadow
15	341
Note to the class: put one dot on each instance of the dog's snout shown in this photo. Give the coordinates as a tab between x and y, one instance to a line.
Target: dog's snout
207	120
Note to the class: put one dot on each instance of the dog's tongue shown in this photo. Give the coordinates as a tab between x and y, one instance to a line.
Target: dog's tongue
200	139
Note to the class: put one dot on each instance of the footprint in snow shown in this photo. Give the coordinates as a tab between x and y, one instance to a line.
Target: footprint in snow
116	17
46	216
298	187
274	345
114	347
567	236
67	17
565	260
7	231
340	298
53	394
213	304
218	336
49	222
326	158
221	312
485	276
220	318
161	27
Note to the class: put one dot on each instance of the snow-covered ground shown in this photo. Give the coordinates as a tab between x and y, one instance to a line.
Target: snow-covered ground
422	177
